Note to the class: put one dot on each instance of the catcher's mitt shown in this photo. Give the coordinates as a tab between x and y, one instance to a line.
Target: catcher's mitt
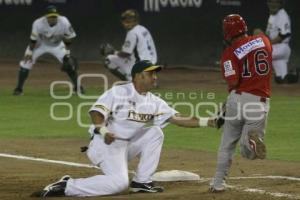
220	119
106	49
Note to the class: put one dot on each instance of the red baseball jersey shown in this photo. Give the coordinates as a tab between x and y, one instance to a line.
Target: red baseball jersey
249	62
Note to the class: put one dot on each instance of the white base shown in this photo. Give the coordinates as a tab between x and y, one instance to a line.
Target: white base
175	175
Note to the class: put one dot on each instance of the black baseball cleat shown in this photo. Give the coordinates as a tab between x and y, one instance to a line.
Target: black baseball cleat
56	189
136	187
18	92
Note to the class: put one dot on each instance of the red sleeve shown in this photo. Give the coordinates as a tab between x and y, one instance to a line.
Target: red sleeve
229	67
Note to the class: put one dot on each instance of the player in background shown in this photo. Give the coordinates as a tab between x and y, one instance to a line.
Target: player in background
138	45
246	66
127	123
279	32
52	34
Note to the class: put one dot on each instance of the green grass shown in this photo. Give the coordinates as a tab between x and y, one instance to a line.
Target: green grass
28	116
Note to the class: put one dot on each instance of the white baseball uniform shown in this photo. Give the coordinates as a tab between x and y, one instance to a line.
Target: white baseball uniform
139	43
136	120
280	24
49	39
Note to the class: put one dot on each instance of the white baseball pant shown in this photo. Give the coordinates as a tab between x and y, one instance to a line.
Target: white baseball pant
113	160
58	52
281	54
123	65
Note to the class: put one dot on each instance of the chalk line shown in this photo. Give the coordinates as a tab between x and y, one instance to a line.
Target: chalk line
237	187
48	161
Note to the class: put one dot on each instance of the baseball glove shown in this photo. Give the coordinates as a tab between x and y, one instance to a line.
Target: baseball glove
220	119
106	49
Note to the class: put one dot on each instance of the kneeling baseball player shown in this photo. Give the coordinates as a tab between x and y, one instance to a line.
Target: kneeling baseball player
127	123
138	45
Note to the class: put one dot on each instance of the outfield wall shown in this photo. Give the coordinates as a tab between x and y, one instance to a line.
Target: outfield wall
185	31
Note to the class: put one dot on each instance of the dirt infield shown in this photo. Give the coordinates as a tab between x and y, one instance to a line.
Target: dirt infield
19	178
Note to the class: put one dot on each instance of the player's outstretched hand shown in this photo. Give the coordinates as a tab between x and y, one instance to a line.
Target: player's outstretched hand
109	138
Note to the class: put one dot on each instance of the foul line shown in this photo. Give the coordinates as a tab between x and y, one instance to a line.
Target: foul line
237	187
260	191
267	177
48	161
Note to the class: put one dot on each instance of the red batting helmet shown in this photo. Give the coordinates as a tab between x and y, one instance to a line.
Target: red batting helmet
233	25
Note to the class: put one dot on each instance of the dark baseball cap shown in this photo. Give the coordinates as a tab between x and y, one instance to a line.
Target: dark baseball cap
144	66
51	11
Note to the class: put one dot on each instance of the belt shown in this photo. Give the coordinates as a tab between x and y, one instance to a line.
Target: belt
262	99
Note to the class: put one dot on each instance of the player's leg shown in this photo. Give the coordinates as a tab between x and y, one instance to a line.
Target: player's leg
279	66
113	163
231	135
25	67
120	67
69	64
252	140
280	54
147	146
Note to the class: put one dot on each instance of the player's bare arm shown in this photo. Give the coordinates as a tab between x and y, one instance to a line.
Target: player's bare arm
98	120
192	122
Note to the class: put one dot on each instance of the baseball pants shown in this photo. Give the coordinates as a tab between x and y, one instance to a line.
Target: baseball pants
244	112
113	160
281	54
123	65
58	52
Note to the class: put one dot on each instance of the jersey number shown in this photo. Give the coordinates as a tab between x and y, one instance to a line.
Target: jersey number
261	64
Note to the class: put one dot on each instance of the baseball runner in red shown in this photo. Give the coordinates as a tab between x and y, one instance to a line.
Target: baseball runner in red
247	68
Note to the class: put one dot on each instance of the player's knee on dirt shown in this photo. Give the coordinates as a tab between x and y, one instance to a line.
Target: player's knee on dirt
121	182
